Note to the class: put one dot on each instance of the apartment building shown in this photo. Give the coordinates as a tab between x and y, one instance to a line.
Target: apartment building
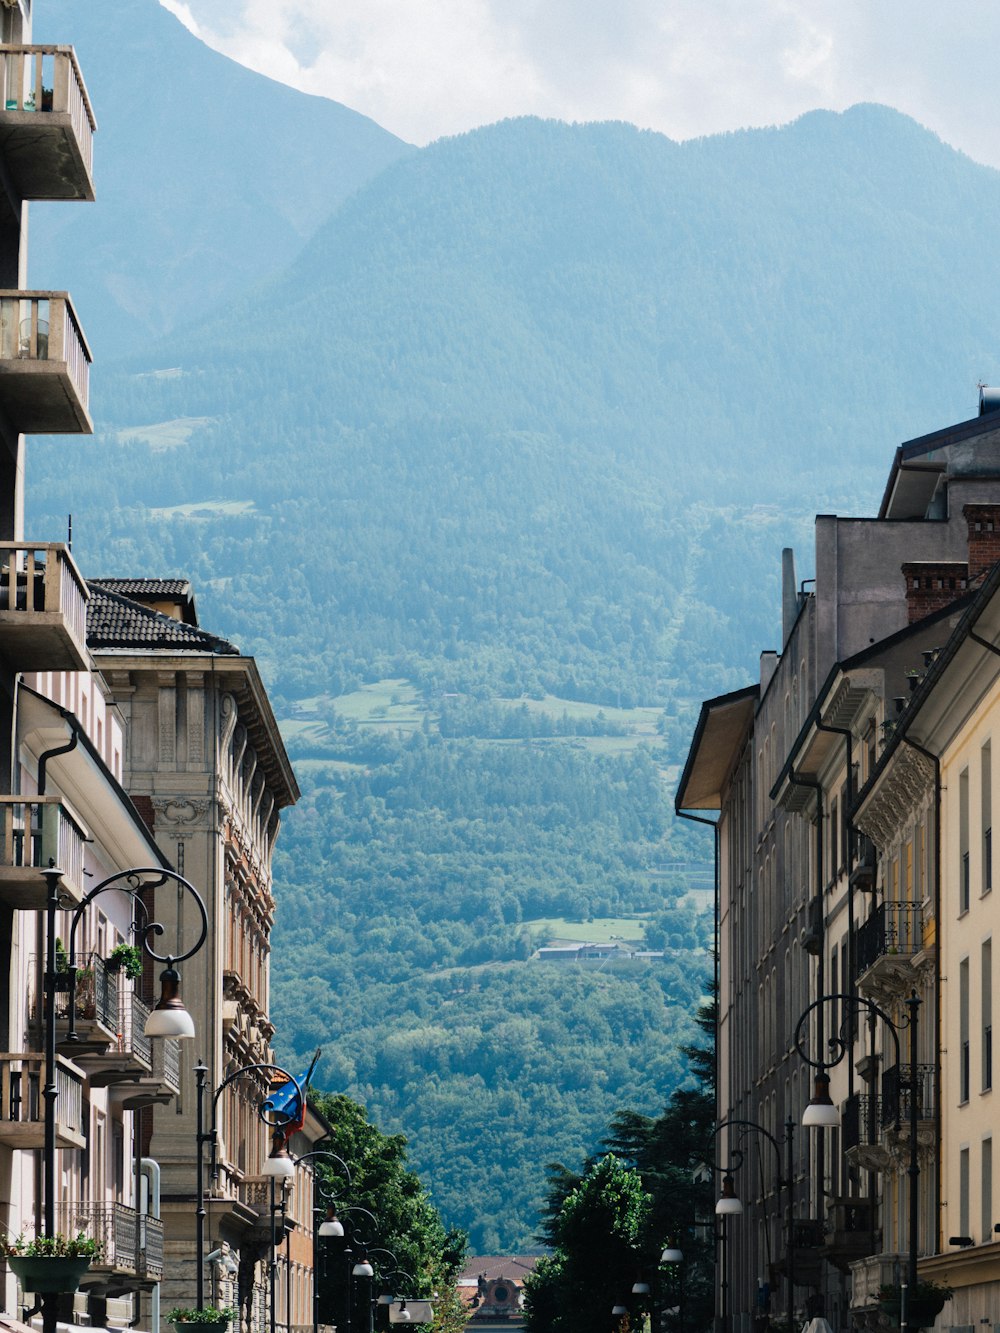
829	892
130	738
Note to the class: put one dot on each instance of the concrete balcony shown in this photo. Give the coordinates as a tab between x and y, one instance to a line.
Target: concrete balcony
43	608
46	123
869	1274
22	1107
44	364
849	1234
34	832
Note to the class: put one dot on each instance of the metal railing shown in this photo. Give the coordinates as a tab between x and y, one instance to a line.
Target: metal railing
42	326
150	1258
893	928
896	1089
115	1226
134	1015
48	79
38	831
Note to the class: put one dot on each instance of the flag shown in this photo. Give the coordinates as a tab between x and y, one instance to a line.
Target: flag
288	1105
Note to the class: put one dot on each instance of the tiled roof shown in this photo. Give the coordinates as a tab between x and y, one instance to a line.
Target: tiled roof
114	621
147	587
512	1266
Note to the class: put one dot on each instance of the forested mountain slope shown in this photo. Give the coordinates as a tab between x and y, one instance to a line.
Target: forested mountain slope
209	177
493	481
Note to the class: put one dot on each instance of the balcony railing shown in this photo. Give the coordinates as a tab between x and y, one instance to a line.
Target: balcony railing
47	124
22	1110
113	1225
893	931
35	832
873	1272
150	1261
44	364
896	1087
43	607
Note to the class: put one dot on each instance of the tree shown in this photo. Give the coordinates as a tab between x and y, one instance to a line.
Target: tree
407	1223
600	1234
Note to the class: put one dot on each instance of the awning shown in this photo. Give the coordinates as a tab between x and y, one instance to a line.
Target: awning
82	776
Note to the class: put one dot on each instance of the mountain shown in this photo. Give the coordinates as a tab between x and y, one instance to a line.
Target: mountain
209	177
492	479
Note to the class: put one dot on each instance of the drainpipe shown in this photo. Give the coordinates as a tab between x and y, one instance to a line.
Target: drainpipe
815	786
935	760
43	759
719	1233
149	1169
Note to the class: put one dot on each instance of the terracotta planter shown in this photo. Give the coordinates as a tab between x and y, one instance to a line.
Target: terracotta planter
48	1273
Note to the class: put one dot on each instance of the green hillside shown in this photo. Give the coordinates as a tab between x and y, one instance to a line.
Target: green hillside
493	481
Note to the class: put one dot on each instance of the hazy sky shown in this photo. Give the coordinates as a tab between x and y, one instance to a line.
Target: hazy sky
423	68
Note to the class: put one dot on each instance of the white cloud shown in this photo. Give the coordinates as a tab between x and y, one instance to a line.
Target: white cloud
423	68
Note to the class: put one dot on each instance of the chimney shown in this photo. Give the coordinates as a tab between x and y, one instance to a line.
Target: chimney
984	536
931	585
789	594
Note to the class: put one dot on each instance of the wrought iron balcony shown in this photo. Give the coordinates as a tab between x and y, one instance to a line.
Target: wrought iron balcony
44	364
22	1107
34	832
886	943
46	123
861	1129
131	1244
43	608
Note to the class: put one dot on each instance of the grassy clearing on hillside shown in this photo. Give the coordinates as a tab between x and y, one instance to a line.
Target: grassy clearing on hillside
394	703
602	930
205	509
163	435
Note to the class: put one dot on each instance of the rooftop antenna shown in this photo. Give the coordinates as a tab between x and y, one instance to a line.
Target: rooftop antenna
69	532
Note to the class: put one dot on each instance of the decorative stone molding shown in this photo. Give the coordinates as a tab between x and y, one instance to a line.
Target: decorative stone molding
906	784
181	809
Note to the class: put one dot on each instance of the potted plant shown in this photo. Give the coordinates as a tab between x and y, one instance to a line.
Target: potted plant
924	1303
51	1263
86	993
209	1320
126	958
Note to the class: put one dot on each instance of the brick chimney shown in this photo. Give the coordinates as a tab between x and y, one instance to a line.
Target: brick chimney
984	536
933	584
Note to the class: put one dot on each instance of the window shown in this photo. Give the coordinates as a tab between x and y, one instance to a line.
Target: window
986	1194
834	837
986	793
963	1036
963	842
963	1192
987	1014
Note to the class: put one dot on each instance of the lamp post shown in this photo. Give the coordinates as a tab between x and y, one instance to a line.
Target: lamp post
278	1166
730	1205
821	1111
673	1256
387	1297
329	1226
168	1019
357	1266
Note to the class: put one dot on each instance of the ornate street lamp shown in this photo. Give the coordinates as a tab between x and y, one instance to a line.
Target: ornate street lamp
821	1112
168	1019
330	1226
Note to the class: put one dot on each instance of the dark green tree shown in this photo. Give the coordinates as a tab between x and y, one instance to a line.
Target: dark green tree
601	1235
406	1223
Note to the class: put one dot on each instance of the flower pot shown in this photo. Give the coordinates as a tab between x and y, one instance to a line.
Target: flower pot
201	1326
921	1310
48	1273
